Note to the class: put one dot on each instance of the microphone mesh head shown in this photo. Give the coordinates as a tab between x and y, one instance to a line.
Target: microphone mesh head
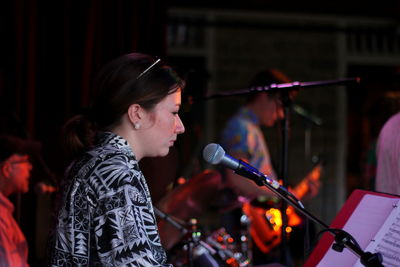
213	153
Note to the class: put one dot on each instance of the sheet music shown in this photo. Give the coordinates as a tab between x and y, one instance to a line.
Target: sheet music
387	240
363	225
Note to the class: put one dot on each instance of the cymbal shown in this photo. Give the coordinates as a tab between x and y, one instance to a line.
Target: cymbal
187	201
192	198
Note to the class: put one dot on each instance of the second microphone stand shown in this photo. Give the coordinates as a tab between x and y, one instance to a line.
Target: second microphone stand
284	90
284	95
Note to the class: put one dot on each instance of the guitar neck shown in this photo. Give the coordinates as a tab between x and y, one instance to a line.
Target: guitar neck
303	187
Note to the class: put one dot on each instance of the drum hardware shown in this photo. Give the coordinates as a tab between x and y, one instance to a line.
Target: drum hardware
226	249
198	253
245	237
179	230
216	250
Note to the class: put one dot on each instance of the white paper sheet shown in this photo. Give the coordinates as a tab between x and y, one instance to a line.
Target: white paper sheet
387	240
363	225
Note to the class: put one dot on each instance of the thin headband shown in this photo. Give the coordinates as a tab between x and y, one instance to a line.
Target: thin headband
146	70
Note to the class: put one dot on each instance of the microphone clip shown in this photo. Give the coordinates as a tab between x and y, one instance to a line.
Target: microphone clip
250	172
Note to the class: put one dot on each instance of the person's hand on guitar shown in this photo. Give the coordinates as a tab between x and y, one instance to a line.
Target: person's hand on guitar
266	221
309	186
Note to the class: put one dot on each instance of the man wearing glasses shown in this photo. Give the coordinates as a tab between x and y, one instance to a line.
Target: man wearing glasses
15	169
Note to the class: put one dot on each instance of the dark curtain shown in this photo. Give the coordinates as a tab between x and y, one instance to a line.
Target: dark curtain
51	53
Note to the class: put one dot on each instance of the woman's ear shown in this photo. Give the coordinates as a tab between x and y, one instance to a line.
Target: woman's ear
134	113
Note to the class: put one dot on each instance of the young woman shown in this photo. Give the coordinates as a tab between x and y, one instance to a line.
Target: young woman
105	216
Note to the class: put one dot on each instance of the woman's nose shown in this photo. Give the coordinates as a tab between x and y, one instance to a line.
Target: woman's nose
180	128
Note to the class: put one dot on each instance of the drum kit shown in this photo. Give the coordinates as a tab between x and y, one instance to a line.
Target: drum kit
183	234
190	226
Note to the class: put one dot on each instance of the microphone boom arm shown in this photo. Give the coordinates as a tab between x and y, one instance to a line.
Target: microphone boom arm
282	86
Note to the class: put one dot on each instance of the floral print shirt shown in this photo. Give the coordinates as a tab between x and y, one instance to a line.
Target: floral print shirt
242	135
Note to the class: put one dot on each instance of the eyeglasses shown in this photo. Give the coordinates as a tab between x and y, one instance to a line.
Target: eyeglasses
149	68
20	161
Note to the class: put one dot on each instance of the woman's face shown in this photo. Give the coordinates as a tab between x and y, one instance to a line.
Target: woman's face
162	126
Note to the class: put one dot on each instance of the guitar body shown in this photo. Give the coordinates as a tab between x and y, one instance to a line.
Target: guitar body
266	225
261	231
266	220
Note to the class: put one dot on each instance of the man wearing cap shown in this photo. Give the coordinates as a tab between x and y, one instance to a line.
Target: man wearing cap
15	169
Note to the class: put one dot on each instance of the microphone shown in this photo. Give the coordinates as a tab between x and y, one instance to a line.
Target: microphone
42	188
215	154
307	115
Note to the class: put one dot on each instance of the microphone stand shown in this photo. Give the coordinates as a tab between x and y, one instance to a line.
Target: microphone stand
284	94
181	228
342	238
168	218
284	90
281	86
310	120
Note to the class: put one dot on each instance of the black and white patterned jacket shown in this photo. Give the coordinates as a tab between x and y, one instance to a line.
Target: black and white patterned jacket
106	216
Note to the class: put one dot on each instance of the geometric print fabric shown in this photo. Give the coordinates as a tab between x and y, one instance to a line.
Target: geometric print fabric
105	216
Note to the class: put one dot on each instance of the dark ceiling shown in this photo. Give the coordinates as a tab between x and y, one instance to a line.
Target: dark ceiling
382	8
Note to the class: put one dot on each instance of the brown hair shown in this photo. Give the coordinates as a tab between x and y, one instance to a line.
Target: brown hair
266	78
122	82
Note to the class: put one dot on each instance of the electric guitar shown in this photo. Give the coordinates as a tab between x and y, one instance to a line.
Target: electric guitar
266	222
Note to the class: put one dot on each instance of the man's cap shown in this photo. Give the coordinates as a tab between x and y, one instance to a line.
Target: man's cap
10	145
